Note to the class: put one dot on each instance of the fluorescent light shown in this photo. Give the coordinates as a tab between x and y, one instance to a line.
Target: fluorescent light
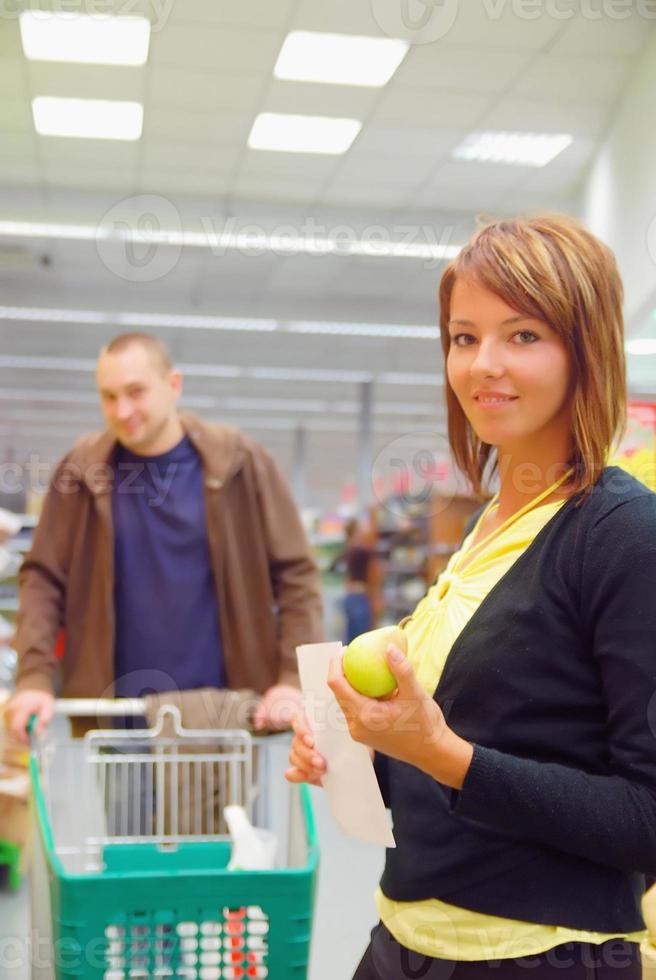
522	149
231	241
307	374
44	315
641	346
196	322
88	365
339	59
365	329
39	229
127	319
88	39
302	134
97	119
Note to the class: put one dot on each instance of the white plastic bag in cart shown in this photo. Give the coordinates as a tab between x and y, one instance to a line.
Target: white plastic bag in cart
253	848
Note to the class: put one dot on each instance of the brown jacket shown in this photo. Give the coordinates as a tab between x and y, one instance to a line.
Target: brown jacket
266	579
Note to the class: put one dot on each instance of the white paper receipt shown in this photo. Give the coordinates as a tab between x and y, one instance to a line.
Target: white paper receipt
350	781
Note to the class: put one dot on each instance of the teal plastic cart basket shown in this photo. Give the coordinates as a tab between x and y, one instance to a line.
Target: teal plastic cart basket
130	875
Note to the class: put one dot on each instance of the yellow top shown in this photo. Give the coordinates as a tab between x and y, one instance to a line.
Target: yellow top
431	927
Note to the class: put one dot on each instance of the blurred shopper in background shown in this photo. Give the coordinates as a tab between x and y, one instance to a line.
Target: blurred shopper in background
356	559
518	757
170	552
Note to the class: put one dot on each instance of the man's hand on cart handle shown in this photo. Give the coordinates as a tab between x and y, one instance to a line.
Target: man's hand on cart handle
22	706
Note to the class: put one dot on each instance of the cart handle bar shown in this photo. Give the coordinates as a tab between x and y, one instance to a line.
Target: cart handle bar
100	707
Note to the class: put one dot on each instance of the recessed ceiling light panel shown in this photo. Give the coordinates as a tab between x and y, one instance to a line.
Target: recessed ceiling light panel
87	39
339	59
521	149
87	118
302	134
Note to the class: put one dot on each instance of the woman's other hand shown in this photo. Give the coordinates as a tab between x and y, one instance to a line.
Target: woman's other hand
306	765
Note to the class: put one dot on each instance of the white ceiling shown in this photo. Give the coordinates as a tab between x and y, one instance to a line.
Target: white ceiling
208	75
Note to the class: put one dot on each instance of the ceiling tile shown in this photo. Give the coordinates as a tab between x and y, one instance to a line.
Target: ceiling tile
180	182
470	199
15	115
599	34
86	81
464	174
18	148
195	158
60	151
535	201
202	47
498	24
550	77
208	90
405	171
428	107
465	68
351	102
263	163
338	16
90	178
535	116
404	140
575	157
368	193
278	187
10	41
12	77
198	127
14	170
255	13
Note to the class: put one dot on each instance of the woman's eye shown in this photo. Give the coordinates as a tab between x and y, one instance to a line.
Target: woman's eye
526	336
462	339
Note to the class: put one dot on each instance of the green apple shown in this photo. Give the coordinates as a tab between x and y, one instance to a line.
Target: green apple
365	661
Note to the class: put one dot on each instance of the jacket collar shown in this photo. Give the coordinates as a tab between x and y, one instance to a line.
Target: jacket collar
219	446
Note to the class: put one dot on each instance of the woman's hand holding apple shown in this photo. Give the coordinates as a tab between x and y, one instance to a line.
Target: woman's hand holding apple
408	726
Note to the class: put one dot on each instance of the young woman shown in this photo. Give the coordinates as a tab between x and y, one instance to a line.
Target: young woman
519	754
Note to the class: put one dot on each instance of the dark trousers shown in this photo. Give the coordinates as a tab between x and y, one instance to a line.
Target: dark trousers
357	610
616	959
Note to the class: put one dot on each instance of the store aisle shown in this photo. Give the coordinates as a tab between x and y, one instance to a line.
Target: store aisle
344	913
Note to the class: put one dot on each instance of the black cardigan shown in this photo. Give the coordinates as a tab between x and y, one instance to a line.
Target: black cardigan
554	682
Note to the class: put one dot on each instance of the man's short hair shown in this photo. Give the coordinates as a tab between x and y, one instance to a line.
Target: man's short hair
155	347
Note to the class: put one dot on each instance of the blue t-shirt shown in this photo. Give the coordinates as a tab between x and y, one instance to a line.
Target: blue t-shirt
166	609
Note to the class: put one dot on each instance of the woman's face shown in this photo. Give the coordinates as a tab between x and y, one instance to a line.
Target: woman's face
510	373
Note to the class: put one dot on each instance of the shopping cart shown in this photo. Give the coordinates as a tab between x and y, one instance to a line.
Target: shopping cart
129	875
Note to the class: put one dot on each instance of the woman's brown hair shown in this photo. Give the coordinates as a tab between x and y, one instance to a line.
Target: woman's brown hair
552	269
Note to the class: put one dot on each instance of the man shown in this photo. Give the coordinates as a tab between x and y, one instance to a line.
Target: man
171	554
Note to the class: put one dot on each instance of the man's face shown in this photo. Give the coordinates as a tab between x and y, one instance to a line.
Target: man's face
138	397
